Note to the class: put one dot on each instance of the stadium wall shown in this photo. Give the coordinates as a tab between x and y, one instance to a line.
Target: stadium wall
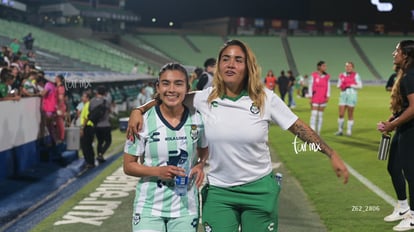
20	124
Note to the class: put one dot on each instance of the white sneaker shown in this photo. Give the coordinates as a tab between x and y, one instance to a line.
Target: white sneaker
406	224
397	214
348	133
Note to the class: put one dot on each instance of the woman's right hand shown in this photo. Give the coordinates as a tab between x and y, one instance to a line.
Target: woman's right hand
380	126
134	124
169	172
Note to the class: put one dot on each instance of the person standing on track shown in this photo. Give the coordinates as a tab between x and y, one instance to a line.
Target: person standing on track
171	132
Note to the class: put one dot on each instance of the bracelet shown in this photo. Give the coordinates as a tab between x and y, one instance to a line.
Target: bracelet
139	109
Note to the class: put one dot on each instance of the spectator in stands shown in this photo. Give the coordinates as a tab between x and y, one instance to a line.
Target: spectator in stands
206	78
16	59
49	104
26	71
40	76
319	92
6	55
103	127
28	41
15	71
15	46
6	80
391	79
283	83
134	69
87	132
29	88
61	112
270	80
348	82
31	59
291	89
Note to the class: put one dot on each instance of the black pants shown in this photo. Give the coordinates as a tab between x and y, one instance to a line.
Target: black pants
86	144
304	91
104	137
402	152
395	169
283	93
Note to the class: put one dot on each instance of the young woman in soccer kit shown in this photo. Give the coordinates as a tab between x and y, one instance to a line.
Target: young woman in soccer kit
348	82
171	131
241	189
319	92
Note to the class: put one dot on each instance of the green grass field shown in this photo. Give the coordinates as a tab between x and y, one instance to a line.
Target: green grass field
336	203
352	207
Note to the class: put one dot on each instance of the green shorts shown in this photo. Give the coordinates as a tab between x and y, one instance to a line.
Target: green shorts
252	206
347	99
159	224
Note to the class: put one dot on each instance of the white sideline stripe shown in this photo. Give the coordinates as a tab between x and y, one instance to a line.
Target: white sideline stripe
371	186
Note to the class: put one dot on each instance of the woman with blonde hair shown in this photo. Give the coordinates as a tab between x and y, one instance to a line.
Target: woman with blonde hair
241	189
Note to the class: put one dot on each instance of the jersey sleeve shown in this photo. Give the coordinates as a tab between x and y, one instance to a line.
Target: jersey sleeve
137	147
358	81
280	112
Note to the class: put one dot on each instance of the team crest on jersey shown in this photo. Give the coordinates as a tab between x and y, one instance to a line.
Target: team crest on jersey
194	132
214	103
207	227
254	109
137	218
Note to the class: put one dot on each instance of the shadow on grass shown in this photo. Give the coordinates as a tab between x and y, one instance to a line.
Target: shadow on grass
357	139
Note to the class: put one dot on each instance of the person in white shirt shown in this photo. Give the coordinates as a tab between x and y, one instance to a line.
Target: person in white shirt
237	110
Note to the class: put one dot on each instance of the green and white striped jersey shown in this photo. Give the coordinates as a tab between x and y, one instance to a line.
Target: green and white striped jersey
161	144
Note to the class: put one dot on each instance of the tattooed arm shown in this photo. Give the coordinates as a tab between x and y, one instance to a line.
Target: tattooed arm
305	133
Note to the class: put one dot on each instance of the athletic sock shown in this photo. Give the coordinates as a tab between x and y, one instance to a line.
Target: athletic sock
314	113
340	124
403	204
350	125
320	120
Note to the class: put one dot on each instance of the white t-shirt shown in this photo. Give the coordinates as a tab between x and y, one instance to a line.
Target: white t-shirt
237	135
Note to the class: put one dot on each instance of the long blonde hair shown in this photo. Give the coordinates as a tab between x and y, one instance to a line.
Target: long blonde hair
252	81
407	49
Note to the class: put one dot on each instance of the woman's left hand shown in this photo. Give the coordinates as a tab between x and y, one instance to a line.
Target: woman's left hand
339	168
197	172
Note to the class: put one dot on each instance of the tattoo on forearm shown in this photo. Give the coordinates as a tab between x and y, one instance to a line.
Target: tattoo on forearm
306	134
